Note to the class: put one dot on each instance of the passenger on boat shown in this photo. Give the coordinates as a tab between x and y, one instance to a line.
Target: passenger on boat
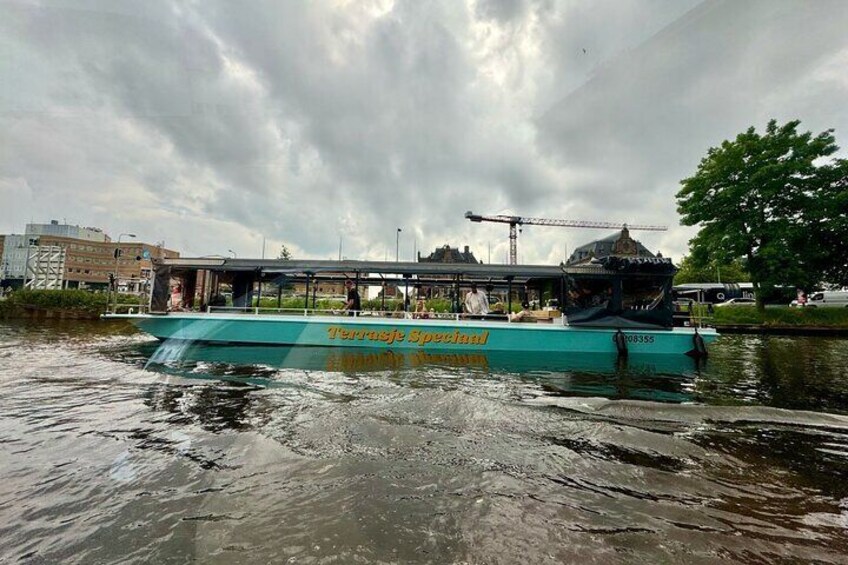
353	303
476	302
421	309
176	298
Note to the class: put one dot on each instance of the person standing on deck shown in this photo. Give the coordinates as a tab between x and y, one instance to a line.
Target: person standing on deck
353	303
476	302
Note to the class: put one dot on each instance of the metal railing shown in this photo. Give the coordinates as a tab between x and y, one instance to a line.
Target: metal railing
697	318
397	314
129	309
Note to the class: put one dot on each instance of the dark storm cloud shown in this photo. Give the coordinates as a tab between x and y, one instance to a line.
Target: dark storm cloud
644	122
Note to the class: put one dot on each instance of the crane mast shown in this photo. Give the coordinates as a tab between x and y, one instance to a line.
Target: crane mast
515	221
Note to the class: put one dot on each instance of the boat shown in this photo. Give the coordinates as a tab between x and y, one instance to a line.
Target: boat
613	305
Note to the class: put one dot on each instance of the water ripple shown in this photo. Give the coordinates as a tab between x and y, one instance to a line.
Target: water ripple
112	450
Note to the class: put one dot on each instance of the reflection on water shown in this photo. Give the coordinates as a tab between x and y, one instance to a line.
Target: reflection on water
116	448
665	378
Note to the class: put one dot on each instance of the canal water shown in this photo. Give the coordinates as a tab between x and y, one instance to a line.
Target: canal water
114	448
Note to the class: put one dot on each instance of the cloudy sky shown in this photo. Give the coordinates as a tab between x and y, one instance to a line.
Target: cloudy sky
211	125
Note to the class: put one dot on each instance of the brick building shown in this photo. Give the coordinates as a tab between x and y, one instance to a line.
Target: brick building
88	258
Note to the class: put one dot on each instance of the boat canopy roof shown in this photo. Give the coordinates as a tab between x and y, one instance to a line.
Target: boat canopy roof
608	266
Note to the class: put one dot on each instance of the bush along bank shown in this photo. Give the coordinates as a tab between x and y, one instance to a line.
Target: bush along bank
79	304
781	320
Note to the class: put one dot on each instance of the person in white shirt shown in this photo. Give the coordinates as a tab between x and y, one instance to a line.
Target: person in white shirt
476	302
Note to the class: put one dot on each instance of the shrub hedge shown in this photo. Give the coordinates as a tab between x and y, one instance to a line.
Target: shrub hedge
781	316
62	300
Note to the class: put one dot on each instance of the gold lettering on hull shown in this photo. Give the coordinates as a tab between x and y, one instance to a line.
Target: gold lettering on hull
417	337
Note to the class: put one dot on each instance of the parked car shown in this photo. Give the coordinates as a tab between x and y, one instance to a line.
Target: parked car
828	298
737	302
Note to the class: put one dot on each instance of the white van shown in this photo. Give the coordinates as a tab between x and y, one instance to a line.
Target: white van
832	298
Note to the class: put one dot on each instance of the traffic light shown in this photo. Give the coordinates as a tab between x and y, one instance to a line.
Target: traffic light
117	252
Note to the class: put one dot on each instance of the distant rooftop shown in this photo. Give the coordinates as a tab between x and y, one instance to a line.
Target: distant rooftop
448	254
66	230
617	244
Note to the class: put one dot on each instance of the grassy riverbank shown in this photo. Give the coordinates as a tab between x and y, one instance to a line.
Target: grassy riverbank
24	303
781	316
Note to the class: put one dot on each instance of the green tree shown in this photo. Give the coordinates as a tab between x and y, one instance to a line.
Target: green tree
691	270
767	200
826	221
285	254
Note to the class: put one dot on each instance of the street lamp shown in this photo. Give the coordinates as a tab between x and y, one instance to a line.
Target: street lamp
233	252
115	281
397	245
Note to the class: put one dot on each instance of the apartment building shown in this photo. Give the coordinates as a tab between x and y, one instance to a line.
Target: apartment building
88	260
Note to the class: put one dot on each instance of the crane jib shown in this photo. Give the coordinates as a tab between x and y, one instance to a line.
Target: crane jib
514	221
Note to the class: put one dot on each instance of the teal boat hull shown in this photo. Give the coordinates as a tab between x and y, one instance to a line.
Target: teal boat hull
404	334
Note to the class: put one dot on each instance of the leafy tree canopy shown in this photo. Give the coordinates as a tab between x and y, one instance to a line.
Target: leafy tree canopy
285	254
774	201
693	271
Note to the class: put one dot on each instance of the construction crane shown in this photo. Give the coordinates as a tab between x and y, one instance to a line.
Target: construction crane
515	221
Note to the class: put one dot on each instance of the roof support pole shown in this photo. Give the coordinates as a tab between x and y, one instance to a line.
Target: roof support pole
383	306
306	301
406	293
509	296
259	292
562	293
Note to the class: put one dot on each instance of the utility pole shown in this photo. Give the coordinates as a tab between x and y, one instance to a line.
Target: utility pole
340	247
397	245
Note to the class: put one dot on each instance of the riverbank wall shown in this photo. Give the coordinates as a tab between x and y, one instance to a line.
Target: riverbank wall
782	330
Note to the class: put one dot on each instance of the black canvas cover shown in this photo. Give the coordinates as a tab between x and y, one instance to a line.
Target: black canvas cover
601	316
645	265
161	289
637	295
